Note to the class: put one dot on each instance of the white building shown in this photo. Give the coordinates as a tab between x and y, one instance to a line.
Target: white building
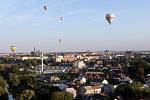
148	82
116	56
106	57
79	64
30	58
79	56
59	58
104	82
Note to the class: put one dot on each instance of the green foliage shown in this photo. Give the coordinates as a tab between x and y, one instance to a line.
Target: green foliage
44	91
57	96
1	61
61	96
19	84
4	97
77	82
146	92
15	69
140	78
68	96
27	63
138	62
133	90
2	67
3	86
140	71
14	79
27	95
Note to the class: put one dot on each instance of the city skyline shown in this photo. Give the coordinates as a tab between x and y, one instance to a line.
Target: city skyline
25	24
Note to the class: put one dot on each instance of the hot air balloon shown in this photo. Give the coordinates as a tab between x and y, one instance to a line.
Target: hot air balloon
110	17
45	8
61	18
13	48
59	40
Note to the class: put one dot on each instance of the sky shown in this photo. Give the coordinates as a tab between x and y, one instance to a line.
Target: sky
25	24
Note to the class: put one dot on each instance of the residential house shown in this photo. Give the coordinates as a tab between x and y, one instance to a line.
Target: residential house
71	91
107	88
104	82
63	86
95	82
81	79
69	57
127	80
88	90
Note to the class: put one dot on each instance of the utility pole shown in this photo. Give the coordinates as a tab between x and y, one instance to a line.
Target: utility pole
42	62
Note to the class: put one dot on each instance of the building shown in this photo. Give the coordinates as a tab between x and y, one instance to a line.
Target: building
127	80
71	91
69	58
79	64
59	59
95	82
104	82
32	57
89	57
106	57
108	89
54	78
88	90
63	86
81	79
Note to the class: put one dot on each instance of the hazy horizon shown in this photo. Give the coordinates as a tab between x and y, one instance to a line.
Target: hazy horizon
25	24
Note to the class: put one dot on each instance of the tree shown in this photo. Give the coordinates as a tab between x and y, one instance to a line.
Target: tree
27	63
77	82
146	92
133	91
61	96
3	86
1	61
14	82
27	95
2	67
140	75
34	62
15	69
140	71
68	96
14	79
57	96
